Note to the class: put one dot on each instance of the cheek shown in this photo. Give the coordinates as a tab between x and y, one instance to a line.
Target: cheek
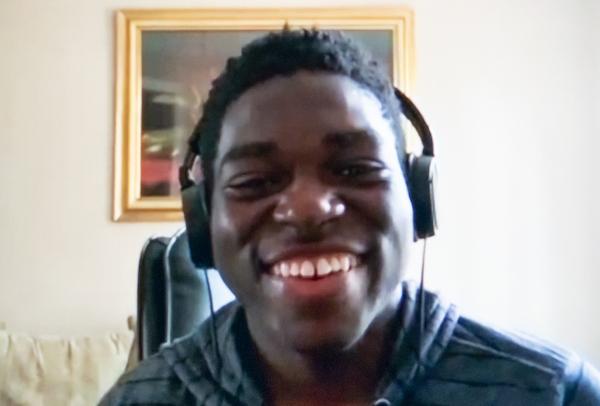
228	253
400	223
223	229
390	212
233	225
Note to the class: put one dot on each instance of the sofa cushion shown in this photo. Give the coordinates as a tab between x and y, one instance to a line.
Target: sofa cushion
49	371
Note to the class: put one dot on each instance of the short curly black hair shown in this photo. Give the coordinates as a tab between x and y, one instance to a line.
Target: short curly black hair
284	53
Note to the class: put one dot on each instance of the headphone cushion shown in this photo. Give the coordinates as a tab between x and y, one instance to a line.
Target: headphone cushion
197	224
422	180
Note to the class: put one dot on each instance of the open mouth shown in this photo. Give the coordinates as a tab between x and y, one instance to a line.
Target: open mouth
314	267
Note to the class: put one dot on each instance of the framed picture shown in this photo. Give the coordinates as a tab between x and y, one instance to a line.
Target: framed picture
165	63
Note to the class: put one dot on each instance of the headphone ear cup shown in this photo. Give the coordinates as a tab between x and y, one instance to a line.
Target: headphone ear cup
197	225
422	178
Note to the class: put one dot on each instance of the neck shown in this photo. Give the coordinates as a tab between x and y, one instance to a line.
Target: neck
327	377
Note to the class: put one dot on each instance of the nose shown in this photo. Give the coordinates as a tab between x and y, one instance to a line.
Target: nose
307	204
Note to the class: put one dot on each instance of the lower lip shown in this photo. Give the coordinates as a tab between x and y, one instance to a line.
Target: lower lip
311	289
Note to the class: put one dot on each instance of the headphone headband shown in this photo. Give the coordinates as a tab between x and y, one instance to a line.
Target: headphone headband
185	181
410	111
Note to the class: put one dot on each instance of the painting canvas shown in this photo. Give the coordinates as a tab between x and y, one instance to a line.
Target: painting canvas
174	65
177	71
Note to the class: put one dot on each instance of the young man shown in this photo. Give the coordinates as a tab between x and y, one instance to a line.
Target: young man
311	224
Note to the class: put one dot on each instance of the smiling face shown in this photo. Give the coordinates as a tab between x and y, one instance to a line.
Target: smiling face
311	221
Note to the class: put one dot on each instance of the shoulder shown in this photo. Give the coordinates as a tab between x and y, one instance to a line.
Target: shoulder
518	350
517	363
152	381
179	373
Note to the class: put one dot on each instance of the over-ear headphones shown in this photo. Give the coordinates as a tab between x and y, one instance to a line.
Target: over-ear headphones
421	183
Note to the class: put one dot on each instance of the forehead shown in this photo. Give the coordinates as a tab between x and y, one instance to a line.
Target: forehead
299	110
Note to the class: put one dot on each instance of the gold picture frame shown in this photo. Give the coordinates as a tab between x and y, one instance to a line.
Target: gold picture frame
166	59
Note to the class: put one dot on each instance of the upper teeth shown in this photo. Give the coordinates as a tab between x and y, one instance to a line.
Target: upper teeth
319	266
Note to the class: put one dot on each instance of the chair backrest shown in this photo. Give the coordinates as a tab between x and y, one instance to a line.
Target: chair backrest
187	293
172	292
151	297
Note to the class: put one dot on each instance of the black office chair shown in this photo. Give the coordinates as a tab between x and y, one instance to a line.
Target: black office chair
172	297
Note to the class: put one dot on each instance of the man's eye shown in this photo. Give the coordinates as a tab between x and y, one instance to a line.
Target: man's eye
252	186
355	170
253	183
362	171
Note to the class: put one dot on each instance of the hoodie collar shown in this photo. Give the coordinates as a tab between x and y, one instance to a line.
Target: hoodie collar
235	367
414	352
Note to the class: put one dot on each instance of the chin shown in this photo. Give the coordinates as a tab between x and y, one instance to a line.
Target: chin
321	344
317	337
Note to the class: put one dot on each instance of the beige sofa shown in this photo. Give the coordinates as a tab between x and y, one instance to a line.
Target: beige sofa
48	371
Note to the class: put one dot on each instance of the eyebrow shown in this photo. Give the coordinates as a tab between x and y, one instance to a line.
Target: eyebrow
262	149
347	139
249	150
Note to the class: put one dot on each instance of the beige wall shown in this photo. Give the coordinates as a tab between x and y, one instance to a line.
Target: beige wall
511	90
